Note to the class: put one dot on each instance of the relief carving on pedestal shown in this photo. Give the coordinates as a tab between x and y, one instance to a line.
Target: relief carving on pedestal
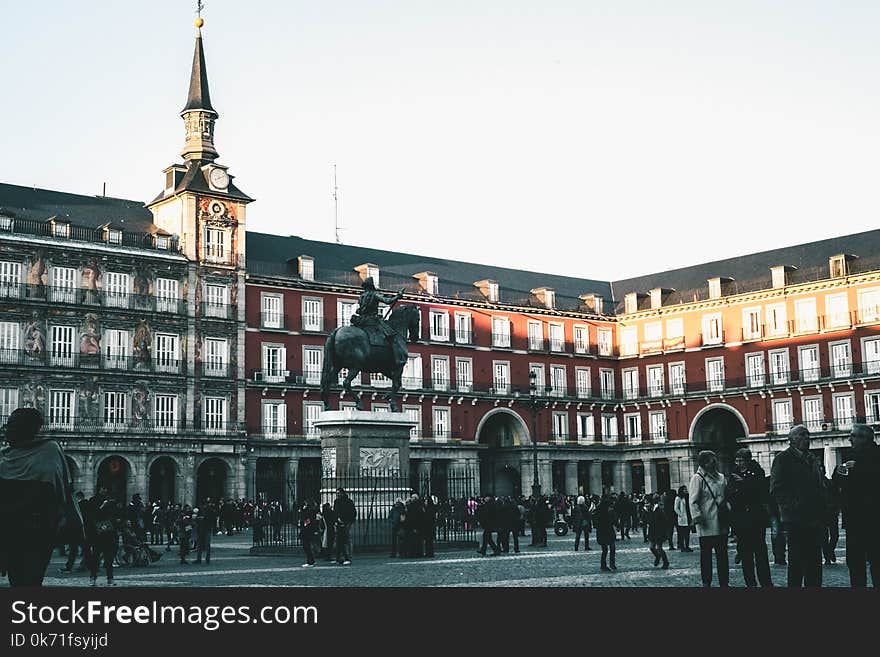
328	461
379	458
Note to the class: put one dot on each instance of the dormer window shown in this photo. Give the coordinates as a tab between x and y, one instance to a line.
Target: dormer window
428	282
546	295
369	270
593	302
60	228
780	275
162	242
839	265
306	268
6	221
631	302
114	236
489	289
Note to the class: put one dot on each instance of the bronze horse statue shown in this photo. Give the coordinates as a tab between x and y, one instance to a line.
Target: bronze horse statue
349	346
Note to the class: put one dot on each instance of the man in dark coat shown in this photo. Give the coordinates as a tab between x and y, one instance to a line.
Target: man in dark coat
796	483
504	522
658	530
429	524
858	480
346	513
749	518
486	516
413	526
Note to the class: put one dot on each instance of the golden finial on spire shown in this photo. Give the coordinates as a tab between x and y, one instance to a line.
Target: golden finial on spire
199	21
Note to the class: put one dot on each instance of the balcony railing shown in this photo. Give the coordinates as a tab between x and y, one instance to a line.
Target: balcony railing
215	369
712	339
501	340
76	360
272	320
217	310
464	337
817	425
100	298
313	323
86	234
69	423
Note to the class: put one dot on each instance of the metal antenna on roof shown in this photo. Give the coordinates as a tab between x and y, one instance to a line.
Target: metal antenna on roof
336	207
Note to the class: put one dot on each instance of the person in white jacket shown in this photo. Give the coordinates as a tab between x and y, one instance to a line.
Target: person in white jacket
683	519
708	489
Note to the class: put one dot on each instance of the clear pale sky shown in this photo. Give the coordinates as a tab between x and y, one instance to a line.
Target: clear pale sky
602	139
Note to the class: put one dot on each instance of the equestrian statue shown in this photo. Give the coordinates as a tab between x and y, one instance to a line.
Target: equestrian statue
371	344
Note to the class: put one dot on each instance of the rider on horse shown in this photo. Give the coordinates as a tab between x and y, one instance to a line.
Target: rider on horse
380	332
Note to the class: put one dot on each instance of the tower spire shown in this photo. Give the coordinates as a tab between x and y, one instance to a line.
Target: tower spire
198	114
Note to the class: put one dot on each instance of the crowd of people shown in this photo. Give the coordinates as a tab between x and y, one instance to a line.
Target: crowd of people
798	503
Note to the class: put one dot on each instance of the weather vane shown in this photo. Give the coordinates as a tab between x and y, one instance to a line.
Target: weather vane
199	6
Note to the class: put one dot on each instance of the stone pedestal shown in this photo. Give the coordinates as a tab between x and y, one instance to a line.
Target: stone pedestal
359	442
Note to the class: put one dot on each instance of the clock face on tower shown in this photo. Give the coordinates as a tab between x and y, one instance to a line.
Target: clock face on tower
219	178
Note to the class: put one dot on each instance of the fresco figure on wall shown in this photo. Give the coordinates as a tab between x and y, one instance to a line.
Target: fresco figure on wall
33	395
91	282
140	397
88	402
38	274
143	340
35	338
90	337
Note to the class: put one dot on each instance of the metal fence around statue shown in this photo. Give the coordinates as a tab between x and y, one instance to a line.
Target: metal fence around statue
374	493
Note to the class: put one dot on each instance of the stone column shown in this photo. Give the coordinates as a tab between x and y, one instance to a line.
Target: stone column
571	478
832	460
188	481
89	475
251	477
545	472
291	480
425	475
624	477
649	475
241	477
595	477
140	476
526	475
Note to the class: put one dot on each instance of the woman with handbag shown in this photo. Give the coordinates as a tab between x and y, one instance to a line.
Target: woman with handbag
709	507
683	519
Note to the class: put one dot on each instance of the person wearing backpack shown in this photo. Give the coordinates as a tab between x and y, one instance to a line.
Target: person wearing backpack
709	507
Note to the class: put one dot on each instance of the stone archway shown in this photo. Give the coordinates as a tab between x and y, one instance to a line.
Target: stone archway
502	431
163	480
114	473
719	427
212	479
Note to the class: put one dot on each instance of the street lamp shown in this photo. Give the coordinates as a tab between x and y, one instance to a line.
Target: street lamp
534	400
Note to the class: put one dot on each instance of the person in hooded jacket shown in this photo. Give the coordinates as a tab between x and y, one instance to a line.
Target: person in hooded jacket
749	498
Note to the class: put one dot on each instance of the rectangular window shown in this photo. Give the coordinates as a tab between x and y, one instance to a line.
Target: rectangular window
214	414
870	355
715	374
165	414
872	407
117	288
674	328
841	360
63	290
8	403
215	245
464	375
344	310
606	383
440	372
582	382
463	331
10	280
586	428
414	414
558	383
501	377
844	411
712	333
869	305
115	349
311	412
500	332
629	341
167	353
654	332
61	409
632	427
657	422
557	337
215	357
581	339
779	367
536	336
777	320
540	380
603	339
805	315
752	324
609	429
439	325
167	295
441	424
271	312
676	378
378	380
813	415
274	419
630	383
755	370
274	363
312	314
809	363
115	410
655	381
837	309
9	342
61	353
560	427
215	301
313	362
307	269
782	417
412	372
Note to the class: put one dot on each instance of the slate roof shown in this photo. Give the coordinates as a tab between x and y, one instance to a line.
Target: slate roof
91	211
199	96
194	180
